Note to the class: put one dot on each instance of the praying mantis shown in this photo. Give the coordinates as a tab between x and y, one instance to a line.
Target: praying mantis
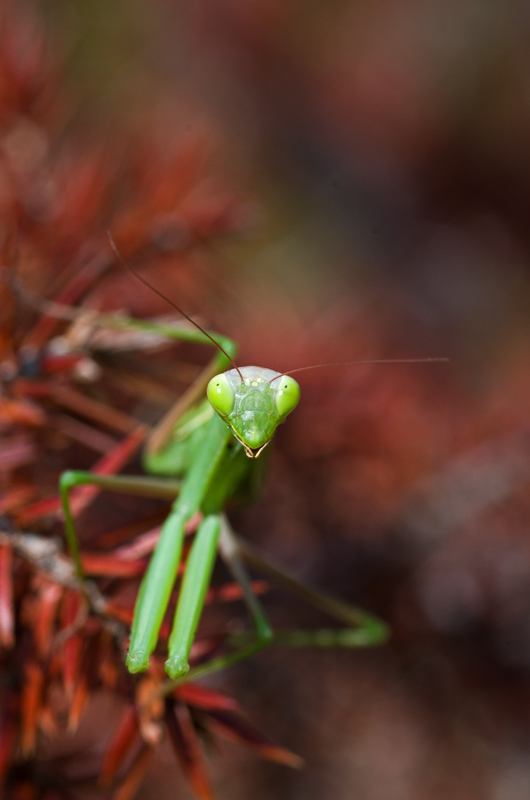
212	445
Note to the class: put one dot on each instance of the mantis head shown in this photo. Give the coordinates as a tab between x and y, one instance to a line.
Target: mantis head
253	401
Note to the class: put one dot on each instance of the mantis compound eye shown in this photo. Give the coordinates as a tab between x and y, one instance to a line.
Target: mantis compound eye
221	394
287	395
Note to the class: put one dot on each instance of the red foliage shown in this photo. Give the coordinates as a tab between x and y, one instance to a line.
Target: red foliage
56	202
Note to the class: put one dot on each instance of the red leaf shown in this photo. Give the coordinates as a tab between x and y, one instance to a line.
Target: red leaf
109	464
103	564
200	697
137	773
21	412
92	409
79	701
15	452
232	591
72	647
51	364
236	728
14	498
185	742
80	282
44	613
29	706
7	635
108	667
119	746
81	497
39	509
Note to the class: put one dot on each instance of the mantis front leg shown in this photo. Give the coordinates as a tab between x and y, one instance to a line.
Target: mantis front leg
159	579
191	601
160	576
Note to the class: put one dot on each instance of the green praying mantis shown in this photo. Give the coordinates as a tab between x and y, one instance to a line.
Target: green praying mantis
212	445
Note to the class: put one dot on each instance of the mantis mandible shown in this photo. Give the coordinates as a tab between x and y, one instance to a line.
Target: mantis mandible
216	443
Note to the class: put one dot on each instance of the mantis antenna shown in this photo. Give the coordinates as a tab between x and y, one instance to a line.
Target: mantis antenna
369	361
171	303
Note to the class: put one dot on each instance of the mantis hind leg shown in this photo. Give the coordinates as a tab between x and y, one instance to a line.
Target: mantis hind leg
364	629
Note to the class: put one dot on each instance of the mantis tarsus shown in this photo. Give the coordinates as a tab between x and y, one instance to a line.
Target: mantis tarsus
216	442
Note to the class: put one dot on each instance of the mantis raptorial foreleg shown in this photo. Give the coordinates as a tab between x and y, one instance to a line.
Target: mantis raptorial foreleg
162	570
196	580
160	576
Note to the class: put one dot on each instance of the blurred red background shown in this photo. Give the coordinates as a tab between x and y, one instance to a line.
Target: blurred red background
355	183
